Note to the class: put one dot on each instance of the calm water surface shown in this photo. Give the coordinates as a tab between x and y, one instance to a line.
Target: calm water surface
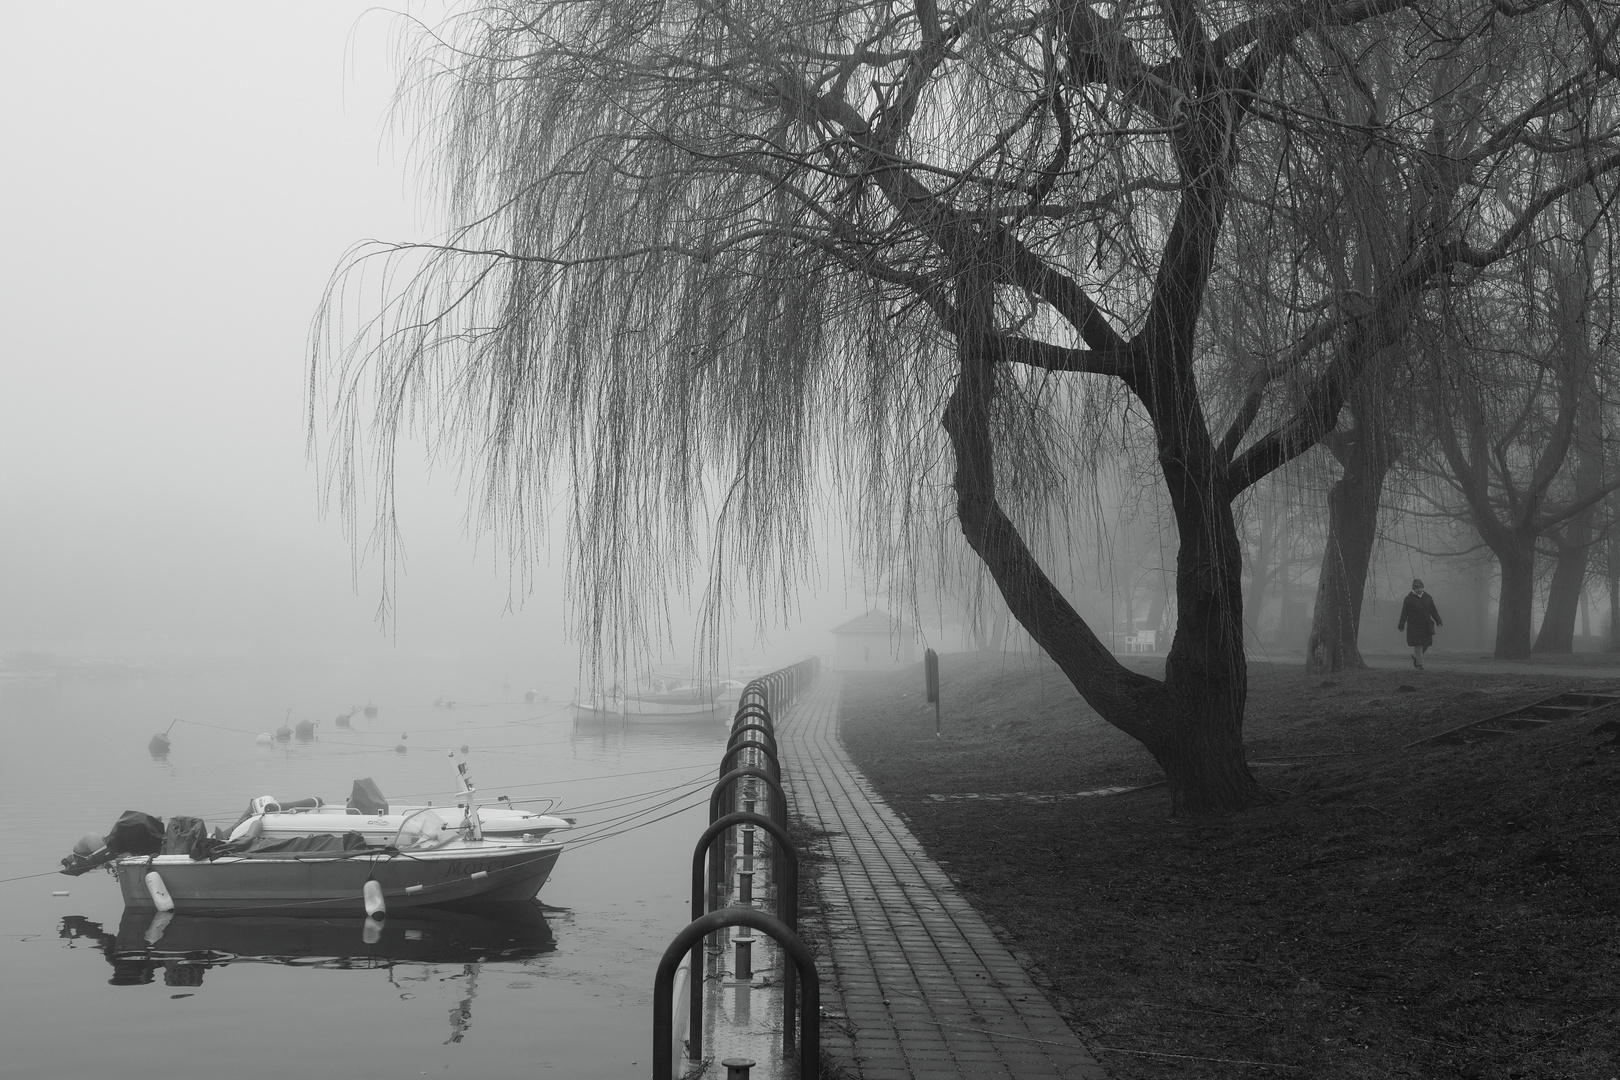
563	990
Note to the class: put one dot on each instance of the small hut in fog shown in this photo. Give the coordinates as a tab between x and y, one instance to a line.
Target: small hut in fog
876	641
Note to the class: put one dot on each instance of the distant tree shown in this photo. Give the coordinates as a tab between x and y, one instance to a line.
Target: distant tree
1511	400
707	254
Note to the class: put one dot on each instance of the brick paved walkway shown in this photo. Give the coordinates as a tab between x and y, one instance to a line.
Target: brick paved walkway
917	986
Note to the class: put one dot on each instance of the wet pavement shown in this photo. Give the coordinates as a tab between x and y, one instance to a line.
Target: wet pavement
917	986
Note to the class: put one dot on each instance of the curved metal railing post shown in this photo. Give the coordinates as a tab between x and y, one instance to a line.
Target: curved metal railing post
768	737
767	752
664	987
787	900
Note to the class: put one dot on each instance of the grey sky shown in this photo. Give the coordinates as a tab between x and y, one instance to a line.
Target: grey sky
183	178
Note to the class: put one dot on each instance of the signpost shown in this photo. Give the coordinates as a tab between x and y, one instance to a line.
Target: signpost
931	676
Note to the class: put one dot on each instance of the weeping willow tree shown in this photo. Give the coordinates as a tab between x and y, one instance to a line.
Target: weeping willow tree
707	254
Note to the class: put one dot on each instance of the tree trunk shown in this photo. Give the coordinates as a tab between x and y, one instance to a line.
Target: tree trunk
1333	644
1155	615
1614	588
1206	672
1518	594
1564	595
1260	574
1192	722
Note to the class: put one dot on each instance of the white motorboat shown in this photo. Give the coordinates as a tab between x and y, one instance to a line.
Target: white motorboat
315	859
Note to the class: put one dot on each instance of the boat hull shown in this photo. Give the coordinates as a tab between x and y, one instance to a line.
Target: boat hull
647	712
490	871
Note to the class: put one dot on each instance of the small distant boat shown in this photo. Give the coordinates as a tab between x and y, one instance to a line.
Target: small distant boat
647	710
670	701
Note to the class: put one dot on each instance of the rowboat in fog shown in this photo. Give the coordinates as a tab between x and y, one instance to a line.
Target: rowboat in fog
668	701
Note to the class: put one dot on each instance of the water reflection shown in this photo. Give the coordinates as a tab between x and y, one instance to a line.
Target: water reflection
183	947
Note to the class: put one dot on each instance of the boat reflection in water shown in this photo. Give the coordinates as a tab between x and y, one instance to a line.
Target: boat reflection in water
183	947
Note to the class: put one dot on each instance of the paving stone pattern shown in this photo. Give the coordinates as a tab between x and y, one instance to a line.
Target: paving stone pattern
917	986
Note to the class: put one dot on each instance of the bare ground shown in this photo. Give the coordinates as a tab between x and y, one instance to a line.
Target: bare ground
1401	910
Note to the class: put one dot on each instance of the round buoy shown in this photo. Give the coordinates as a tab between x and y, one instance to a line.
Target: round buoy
159	745
264	739
400	749
342	720
305	730
371	710
528	695
160	892
373	894
463	748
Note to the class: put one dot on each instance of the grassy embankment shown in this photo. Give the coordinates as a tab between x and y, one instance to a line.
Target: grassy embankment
1401	910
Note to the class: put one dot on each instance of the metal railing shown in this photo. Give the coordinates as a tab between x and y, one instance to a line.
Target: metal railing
749	763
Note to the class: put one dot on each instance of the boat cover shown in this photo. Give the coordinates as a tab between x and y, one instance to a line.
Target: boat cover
136	834
184	836
367	797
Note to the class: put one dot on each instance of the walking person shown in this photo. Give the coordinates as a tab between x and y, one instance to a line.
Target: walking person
1419	617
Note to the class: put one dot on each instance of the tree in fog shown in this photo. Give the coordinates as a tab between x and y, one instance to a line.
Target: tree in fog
1430	134
1518	379
706	254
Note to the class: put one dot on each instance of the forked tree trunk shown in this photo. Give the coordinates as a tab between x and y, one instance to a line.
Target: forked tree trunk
1513	612
1192	722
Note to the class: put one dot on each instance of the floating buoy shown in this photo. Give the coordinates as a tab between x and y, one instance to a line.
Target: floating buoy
283	733
264	739
342	719
529	696
463	748
160	892
373	894
305	730
62	892
371	710
400	749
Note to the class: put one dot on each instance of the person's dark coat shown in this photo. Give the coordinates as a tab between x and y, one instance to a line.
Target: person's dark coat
1419	617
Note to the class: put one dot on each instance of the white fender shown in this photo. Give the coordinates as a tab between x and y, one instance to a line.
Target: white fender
375	907
159	891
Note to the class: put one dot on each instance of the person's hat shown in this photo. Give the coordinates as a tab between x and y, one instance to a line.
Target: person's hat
1417	583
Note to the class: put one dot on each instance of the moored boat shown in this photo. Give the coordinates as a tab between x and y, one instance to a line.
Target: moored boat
326	882
315	859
